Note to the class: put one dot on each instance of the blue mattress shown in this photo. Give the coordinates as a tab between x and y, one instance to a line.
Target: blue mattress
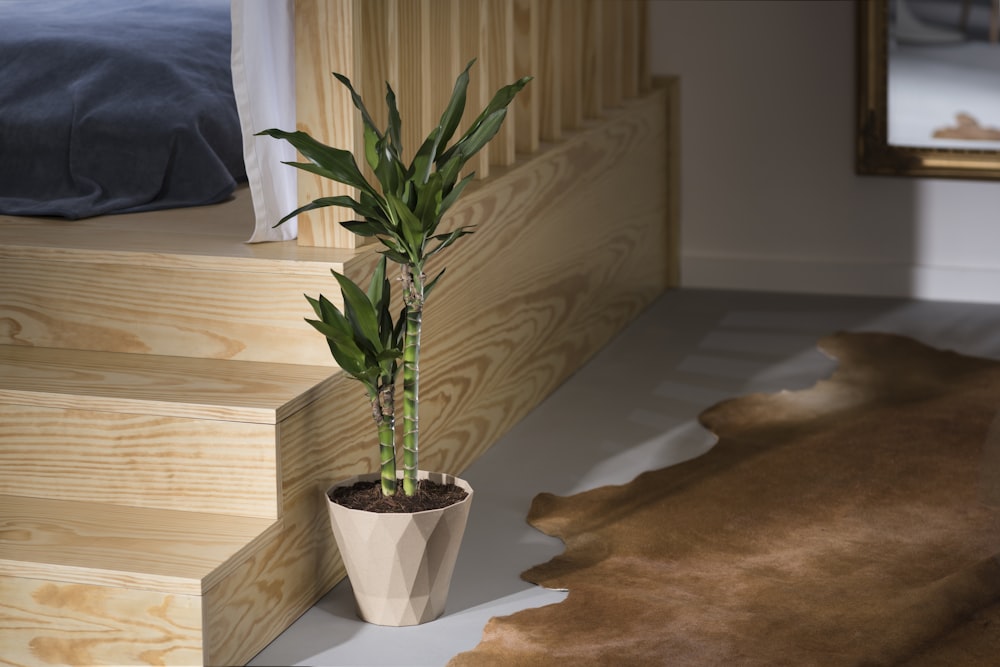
114	106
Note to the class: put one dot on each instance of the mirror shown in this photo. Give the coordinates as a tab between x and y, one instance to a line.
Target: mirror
929	88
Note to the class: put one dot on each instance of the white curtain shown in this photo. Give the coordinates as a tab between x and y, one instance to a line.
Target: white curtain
264	83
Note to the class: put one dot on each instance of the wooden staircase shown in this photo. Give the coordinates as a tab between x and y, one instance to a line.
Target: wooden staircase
168	421
143	399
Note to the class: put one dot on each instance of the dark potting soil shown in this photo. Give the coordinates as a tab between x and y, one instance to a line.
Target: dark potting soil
368	496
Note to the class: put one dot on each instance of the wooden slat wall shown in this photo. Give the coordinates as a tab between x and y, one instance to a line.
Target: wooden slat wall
587	56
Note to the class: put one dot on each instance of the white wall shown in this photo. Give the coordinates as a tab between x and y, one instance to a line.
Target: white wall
770	200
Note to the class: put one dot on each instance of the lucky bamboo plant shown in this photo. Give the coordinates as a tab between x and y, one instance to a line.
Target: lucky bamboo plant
403	211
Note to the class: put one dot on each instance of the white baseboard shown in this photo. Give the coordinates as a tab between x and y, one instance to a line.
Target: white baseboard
937	283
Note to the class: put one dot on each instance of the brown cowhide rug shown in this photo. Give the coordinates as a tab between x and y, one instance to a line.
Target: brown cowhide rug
853	523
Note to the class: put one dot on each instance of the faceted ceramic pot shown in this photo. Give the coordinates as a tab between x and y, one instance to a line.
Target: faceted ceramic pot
400	565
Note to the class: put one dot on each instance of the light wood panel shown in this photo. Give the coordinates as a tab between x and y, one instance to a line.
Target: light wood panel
548	296
550	72
205	238
571	37
321	444
271	590
499	26
324	108
631	42
527	61
472	42
155	385
672	88
174	552
165	311
593	75
46	623
139	460
586	55
612	53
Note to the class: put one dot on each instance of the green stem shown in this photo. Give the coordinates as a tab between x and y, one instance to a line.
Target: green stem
413	295
383	409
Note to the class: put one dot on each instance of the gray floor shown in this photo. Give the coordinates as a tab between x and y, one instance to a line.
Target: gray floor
633	408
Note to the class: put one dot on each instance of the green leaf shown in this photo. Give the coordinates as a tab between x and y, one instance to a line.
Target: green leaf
343	201
360	312
361	227
440	136
375	209
390	171
371	147
429	286
345	352
400	328
428	208
447	239
471	143
333	163
395	124
396	256
453	113
331	316
378	287
411	228
359	103
451	196
423	161
477	136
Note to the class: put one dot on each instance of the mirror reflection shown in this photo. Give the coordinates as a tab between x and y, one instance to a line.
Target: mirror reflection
944	74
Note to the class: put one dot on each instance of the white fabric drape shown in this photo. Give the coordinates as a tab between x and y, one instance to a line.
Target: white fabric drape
264	84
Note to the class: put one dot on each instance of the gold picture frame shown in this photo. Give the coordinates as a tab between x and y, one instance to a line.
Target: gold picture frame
874	153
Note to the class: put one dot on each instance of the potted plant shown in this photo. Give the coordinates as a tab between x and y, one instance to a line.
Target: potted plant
381	522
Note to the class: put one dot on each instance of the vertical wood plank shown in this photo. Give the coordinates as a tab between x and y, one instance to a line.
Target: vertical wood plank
645	73
324	108
527	104
444	43
630	48
473	43
572	27
592	59
672	89
375	58
586	55
550	69
500	24
611	53
411	59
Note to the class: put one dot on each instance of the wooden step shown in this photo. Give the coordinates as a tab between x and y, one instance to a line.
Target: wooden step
148	431
89	583
167	283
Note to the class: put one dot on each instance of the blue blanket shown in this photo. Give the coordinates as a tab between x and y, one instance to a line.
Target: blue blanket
113	106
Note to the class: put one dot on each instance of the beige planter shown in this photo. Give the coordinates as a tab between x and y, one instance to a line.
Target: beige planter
400	565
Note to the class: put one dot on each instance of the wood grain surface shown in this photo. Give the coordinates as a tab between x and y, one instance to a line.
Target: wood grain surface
585	56
45	623
139	460
189	312
255	392
112	545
